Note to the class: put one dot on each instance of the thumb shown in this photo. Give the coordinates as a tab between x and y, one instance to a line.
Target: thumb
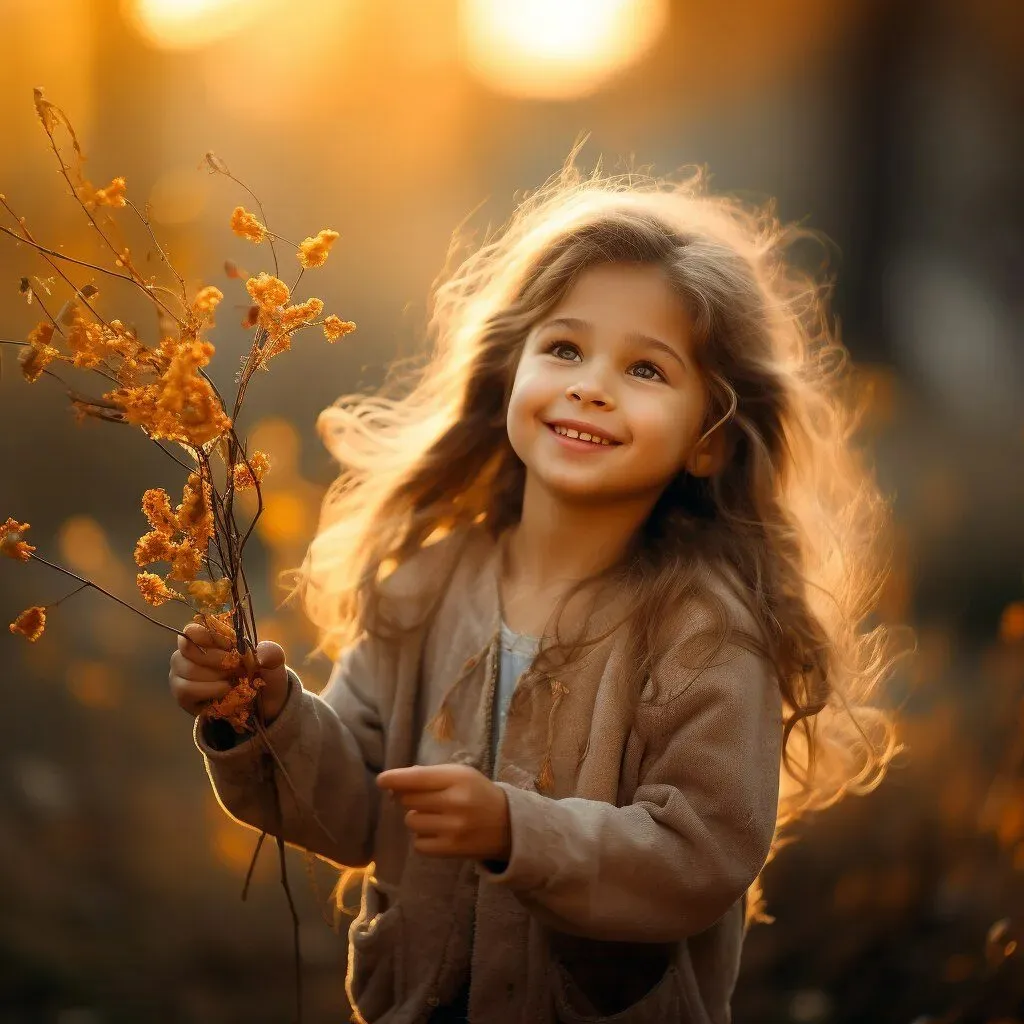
271	658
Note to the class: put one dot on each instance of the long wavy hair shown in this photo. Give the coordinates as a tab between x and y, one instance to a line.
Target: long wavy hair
795	518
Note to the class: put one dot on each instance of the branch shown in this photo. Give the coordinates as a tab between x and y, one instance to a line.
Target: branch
88	583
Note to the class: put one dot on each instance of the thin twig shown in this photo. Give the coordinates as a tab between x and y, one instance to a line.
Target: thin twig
96	586
252	864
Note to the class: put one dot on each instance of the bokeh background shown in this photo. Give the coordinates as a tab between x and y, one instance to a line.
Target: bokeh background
892	127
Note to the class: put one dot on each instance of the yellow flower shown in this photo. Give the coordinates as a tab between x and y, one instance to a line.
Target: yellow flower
296	316
247	225
195	513
335	327
207	300
30	623
181	405
187	562
153	547
220	625
260	463
156	505
112	195
236	705
11	543
210	595
313	250
267	291
34	360
153	589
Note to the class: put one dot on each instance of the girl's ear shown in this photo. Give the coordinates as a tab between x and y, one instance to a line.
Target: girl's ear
709	456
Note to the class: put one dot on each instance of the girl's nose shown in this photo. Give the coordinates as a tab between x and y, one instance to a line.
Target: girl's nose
587	394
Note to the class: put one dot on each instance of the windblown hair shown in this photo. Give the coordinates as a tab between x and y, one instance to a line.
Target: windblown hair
795	518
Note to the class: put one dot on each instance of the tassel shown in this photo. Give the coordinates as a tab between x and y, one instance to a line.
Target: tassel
441	726
546	777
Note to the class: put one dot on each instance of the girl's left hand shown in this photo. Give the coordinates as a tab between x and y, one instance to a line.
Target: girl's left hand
453	810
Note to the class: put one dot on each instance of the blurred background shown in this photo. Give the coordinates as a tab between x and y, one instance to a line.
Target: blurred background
892	127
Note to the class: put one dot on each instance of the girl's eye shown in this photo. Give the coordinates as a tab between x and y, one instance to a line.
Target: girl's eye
656	374
555	345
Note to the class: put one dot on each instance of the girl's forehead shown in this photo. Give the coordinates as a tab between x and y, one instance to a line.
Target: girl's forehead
622	299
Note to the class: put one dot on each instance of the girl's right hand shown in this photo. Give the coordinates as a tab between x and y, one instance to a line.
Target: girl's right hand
197	679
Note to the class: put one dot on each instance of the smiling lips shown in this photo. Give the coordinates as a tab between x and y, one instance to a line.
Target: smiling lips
578	436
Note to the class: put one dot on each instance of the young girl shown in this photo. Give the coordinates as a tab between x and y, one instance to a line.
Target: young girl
595	585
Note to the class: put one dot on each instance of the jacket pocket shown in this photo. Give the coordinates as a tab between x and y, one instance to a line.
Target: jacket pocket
373	982
662	1004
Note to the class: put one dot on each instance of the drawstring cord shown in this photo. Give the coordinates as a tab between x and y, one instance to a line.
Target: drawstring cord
441	725
546	777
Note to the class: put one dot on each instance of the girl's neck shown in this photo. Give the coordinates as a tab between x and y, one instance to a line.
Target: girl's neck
556	544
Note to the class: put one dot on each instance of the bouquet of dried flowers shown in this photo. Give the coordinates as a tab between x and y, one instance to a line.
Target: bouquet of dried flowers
165	391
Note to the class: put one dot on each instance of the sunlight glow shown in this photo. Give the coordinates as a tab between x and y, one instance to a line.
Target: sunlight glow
556	49
189	24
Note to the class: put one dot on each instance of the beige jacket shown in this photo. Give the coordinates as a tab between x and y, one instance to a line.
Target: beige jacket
623	898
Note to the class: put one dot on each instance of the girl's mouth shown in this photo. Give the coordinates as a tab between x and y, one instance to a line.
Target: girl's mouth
577	444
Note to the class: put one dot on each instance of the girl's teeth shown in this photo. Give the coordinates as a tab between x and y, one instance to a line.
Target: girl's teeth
569	432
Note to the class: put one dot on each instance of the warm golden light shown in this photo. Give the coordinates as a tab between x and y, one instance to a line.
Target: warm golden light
556	49
179	195
189	24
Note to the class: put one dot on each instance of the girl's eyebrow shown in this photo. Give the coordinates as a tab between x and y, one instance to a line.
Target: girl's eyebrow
635	337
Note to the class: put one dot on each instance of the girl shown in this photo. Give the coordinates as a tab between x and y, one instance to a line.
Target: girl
595	587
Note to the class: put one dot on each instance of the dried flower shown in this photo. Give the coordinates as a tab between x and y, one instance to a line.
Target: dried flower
207	299
153	547
112	195
156	505
243	478
38	353
34	360
267	291
236	705
153	589
219	626
30	623
335	327
195	513
296	316
11	543
186	563
91	197
210	595
247	225
313	251
181	405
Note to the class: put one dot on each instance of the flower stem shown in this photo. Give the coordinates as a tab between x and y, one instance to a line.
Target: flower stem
88	583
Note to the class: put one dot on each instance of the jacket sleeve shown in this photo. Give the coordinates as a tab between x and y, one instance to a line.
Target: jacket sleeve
331	746
697	833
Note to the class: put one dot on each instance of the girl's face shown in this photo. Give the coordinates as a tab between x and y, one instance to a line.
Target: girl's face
616	356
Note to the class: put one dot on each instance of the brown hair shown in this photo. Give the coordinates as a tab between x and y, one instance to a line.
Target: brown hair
794	520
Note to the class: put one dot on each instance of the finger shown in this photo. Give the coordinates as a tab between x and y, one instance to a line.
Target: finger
193	697
427	824
435	846
199	693
213	656
186	668
434	802
199	634
424	778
